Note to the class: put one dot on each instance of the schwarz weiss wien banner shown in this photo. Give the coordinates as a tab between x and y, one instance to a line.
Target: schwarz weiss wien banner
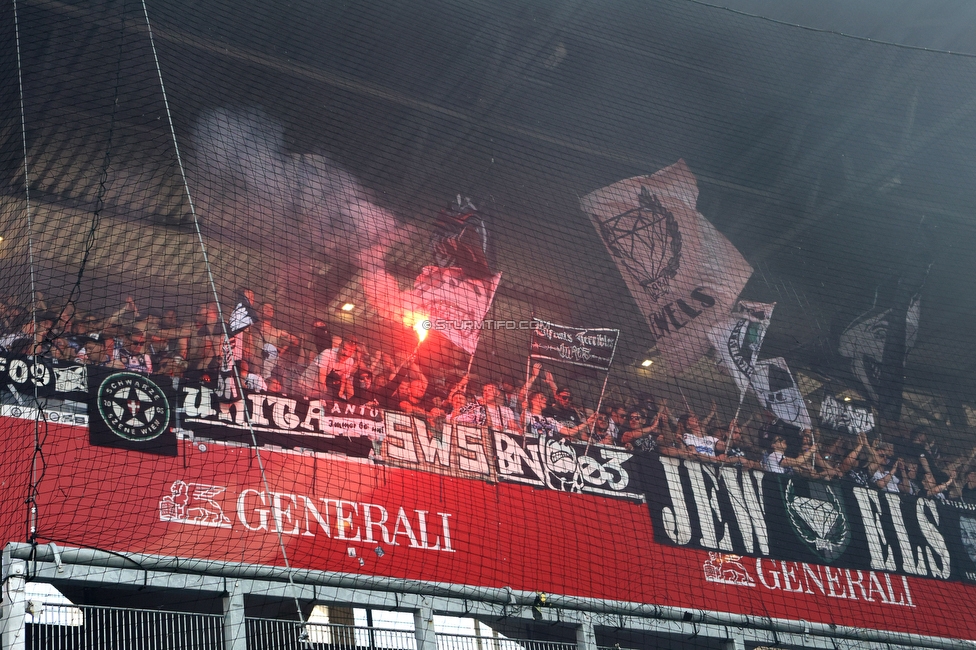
684	275
786	518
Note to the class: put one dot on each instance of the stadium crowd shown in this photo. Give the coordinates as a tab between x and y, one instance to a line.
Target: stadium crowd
322	366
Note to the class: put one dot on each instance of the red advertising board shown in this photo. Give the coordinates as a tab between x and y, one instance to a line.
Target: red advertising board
335	512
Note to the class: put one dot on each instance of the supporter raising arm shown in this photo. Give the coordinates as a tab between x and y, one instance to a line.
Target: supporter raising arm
777	462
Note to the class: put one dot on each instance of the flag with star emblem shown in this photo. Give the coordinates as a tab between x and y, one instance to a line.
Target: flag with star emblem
128	410
683	273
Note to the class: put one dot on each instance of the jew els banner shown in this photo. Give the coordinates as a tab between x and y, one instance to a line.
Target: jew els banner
684	275
728	510
593	348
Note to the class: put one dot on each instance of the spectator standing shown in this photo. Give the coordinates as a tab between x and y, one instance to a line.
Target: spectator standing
339	362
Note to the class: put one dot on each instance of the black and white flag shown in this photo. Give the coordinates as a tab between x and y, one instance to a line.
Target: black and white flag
845	417
242	317
739	339
683	273
878	341
777	390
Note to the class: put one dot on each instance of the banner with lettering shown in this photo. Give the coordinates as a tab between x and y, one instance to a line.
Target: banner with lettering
344	514
725	509
567	466
683	273
450	449
290	422
845	416
592	348
129	410
23	377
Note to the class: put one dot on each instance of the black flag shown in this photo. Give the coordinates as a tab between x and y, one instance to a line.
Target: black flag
878	341
132	411
461	240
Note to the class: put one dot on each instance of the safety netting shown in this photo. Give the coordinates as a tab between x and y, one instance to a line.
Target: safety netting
644	303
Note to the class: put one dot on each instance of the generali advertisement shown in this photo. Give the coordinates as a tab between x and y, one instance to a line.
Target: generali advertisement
471	506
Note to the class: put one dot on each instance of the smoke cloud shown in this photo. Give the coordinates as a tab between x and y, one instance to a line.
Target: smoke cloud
250	189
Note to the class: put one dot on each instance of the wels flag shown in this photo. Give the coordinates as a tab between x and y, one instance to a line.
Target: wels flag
455	303
683	273
776	388
738	340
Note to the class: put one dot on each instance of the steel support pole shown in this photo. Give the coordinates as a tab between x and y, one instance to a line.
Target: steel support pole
235	628
423	626
13	610
586	635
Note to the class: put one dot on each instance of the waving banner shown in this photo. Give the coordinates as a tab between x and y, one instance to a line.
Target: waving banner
455	303
845	417
684	275
738	340
777	390
593	348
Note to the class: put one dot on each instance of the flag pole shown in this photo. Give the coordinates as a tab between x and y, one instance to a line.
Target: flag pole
599	403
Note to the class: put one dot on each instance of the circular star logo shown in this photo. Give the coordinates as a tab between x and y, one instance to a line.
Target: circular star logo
133	407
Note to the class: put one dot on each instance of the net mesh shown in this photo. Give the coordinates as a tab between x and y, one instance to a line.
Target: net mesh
653	305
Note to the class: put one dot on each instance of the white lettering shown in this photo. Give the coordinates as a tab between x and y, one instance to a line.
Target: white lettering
399	436
257	409
882	555
911	559
315	413
262	512
369	523
706	498
407	529
471	450
936	553
284	514
748	506
762	576
677	523
344	523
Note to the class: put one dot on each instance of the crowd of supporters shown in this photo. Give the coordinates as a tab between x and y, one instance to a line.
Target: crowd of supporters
319	365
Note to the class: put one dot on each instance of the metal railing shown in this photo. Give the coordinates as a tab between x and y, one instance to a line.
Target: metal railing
466	642
86	627
274	634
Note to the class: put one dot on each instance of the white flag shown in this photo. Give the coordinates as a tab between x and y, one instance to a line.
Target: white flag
777	390
455	304
739	338
242	317
837	415
684	275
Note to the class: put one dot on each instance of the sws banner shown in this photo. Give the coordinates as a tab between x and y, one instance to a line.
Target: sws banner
593	348
748	512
